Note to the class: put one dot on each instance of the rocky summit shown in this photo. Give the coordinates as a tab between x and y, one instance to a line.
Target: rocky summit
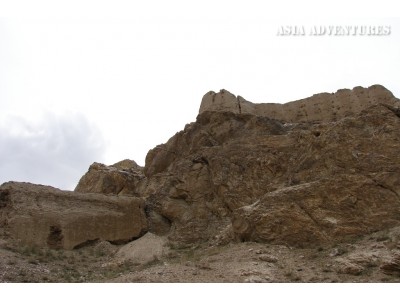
308	174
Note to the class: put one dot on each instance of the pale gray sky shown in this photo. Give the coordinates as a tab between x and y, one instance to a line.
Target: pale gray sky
108	80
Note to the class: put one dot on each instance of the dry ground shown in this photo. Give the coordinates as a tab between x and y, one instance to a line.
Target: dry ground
364	260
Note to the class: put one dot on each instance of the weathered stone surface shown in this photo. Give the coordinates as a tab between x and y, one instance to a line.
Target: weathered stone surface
319	107
122	178
392	267
268	258
319	170
346	267
283	182
318	212
104	248
48	217
144	250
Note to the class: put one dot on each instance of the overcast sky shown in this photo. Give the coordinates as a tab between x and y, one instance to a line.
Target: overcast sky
107	80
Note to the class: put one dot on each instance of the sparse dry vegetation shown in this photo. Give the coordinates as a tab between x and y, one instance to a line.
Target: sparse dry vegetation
234	262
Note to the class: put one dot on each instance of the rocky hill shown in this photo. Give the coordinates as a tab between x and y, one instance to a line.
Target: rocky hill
307	174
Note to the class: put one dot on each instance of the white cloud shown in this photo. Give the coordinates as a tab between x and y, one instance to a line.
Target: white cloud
54	150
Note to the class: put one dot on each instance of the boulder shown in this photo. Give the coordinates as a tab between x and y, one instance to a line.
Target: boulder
122	178
48	217
146	249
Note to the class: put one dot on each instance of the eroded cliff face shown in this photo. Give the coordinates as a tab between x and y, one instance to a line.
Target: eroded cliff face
315	182
318	170
321	107
44	216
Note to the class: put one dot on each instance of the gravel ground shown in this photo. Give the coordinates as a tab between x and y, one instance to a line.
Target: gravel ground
370	259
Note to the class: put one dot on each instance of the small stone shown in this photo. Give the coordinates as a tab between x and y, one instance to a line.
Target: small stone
204	265
248	272
254	279
350	268
337	252
378	246
268	258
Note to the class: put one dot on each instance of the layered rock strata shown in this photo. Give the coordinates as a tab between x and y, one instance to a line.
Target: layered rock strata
45	216
313	171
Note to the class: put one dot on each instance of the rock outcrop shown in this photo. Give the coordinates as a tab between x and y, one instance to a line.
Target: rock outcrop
320	107
319	170
313	183
315	213
47	217
123	178
315	171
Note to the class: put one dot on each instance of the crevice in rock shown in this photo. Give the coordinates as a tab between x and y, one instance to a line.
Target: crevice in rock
317	133
120	190
383	186
55	237
4	198
240	108
395	110
85	244
308	214
200	159
124	241
156	222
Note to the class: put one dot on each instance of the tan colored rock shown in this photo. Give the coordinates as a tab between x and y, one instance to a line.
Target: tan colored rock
104	248
324	169
122	178
296	183
144	250
48	217
301	215
127	165
268	258
392	267
319	107
321	170
346	267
